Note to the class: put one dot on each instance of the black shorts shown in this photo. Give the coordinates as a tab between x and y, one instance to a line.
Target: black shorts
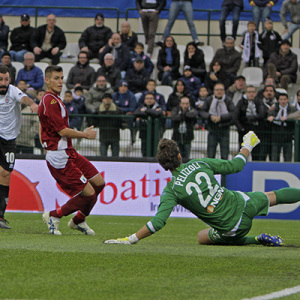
7	154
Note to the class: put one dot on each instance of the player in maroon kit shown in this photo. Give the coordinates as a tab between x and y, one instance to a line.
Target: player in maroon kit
73	172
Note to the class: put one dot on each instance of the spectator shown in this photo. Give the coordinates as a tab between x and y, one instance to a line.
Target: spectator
95	94
22	86
48	40
110	71
219	111
20	39
261	9
149	11
39	95
194	57
95	37
248	115
282	131
268	81
269	40
201	99
152	109
79	99
192	82
237	90
168	62
4	31
183	118
6	61
139	52
74	121
282	65
234	6
229	57
82	74
31	74
291	7
216	74
109	126
250	47
128	37
187	8
297	102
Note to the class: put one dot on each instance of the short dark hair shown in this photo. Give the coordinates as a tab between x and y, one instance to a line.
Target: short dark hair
107	95
139	44
283	94
152	80
251	22
51	69
68	92
168	154
267	86
4	70
83	52
298	92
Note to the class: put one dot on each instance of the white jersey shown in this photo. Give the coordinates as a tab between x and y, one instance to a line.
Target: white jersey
10	113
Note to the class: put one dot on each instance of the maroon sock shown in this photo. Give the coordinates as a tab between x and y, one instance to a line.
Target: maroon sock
98	188
56	213
74	204
79	218
89	202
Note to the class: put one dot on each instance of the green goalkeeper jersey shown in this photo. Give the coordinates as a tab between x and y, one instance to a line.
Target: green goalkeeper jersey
194	187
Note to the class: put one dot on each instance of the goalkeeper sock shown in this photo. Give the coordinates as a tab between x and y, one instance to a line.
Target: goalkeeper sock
287	195
247	240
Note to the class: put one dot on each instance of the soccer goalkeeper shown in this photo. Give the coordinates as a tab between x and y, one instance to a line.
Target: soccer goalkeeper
228	213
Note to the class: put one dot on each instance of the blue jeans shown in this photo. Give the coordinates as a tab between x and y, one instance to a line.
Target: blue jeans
292	28
17	55
115	148
260	13
216	137
187	9
236	11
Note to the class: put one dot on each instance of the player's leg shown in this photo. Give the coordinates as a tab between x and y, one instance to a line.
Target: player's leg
284	196
203	237
4	192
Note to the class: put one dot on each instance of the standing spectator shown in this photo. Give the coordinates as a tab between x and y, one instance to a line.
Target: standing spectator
282	65
94	38
149	12
282	131
79	99
183	118
237	89
109	126
261	9
234	6
128	37
139	52
48	40
219	111
110	71
291	7
269	40
6	61
74	121
192	82
250	47
229	57
176	7
297	102
194	57
201	99
4	31
168	62
20	39
82	74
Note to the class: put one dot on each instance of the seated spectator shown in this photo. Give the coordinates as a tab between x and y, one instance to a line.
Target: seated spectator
31	74
74	121
237	90
269	40
109	126
82	74
192	82
48	40
22	86
153	109
268	81
282	131
297	102
183	118
216	74
20	39
6	61
110	71
4	31
168	62
139	52
200	100
128	37
282	65
94	38
79	99
120	52
250	47
39	95
194	57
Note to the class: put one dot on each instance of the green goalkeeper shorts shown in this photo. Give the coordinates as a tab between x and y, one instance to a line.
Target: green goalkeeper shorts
257	205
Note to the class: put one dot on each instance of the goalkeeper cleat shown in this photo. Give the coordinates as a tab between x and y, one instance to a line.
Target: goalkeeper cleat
124	241
3	224
83	227
52	223
269	240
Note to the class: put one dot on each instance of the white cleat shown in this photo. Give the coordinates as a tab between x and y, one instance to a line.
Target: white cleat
83	227
52	223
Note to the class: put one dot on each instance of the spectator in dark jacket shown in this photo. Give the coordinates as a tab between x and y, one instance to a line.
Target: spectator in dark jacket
4	31
237	89
6	61
139	52
192	82
20	39
74	121
95	37
128	37
48	40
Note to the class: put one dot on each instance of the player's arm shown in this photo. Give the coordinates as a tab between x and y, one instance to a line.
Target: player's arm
70	133
29	102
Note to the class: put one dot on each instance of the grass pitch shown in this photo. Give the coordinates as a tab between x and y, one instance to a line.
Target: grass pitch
167	265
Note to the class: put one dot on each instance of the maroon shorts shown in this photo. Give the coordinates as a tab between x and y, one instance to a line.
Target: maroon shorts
75	175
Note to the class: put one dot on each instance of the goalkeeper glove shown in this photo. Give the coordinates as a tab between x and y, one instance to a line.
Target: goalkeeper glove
250	140
126	240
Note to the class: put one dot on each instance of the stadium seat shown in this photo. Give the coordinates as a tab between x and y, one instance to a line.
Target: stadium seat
181	49
42	66
297	52
165	90
208	54
70	53
18	65
95	66
253	75
66	69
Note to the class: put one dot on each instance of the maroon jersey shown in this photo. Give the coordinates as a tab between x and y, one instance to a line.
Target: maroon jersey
53	117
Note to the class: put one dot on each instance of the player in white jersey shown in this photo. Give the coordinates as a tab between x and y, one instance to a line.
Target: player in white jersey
10	123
